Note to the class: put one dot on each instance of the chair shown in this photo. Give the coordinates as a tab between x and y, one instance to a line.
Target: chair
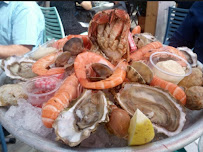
175	18
53	25
2	140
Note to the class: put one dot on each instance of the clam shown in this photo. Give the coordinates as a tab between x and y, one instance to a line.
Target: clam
194	98
134	76
17	67
162	109
138	71
74	46
101	71
76	124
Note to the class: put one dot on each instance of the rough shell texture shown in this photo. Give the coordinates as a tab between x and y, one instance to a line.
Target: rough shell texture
143	39
194	98
18	67
194	79
10	94
162	109
190	55
76	124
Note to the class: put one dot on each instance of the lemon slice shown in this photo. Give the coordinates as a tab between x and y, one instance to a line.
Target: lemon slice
141	130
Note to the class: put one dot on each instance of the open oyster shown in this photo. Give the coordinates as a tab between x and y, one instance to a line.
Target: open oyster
143	39
17	67
190	55
161	108
75	124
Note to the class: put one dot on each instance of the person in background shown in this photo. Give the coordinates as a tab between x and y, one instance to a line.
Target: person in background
67	12
21	27
120	5
190	32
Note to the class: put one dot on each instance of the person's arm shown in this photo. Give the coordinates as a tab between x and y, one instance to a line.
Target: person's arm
9	50
28	25
86	5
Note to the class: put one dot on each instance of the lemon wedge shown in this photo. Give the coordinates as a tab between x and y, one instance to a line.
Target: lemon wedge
141	130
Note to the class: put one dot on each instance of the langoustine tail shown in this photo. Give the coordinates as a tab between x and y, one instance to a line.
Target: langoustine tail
174	89
65	94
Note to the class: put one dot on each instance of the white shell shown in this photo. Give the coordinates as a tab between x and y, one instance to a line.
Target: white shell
134	96
15	62
65	124
190	55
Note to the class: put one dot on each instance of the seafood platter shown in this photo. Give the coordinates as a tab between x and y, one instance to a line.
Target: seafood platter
113	89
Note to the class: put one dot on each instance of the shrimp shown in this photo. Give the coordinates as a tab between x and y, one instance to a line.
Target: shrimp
41	65
169	49
61	99
139	54
87	58
174	89
136	30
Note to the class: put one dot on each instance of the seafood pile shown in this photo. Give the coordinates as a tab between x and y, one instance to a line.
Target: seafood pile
105	82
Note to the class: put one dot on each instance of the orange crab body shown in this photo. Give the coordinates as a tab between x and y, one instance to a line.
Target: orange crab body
109	30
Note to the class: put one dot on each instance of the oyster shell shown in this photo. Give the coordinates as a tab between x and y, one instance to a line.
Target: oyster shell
190	55
17	67
76	124
162	109
143	39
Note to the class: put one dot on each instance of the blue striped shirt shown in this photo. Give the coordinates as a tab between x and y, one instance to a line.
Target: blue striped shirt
21	23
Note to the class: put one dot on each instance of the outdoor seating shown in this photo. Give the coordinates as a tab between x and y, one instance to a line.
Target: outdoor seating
175	18
53	25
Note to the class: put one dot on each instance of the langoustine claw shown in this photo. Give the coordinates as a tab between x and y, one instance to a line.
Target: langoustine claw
109	29
85	59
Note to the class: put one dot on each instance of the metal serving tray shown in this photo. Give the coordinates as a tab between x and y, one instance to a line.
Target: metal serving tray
191	131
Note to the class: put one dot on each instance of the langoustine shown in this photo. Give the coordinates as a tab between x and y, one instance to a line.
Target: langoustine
174	89
139	54
61	99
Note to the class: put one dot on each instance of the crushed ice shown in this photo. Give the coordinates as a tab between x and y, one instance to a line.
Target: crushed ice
28	117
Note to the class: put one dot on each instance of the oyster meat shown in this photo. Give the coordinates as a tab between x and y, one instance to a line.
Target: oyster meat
76	124
162	109
17	67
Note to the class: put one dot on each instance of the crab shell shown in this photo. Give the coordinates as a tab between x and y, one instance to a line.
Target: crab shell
17	67
76	124
109	30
